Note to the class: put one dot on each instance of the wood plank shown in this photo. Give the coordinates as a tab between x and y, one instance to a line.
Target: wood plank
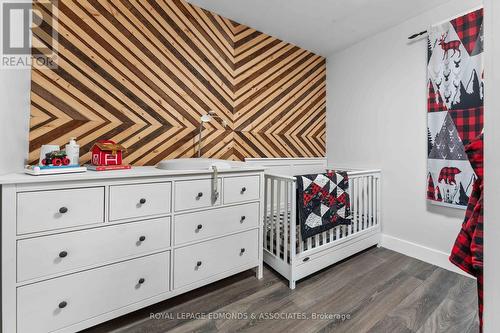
414	310
449	317
384	299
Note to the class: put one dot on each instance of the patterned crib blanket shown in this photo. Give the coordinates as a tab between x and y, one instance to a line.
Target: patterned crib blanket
322	202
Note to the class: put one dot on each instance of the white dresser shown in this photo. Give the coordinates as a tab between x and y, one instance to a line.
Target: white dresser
81	249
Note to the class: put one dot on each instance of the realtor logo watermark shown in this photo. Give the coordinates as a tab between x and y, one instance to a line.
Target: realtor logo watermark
29	37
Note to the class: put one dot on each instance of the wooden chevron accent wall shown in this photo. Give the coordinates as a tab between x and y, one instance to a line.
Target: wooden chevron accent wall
142	72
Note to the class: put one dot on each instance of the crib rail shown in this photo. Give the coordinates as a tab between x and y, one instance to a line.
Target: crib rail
282	234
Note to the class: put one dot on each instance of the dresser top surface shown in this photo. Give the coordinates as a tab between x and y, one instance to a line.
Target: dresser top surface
134	172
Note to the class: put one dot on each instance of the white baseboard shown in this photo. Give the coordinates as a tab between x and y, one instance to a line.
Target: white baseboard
420	252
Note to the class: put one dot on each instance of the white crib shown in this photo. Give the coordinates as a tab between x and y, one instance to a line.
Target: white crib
285	250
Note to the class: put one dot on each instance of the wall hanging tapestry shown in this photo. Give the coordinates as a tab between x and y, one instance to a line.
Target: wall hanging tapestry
455	106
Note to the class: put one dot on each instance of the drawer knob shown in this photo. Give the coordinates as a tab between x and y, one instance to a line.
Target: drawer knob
142	280
199	227
243	190
242	250
200	194
142	238
63	304
243	218
63	210
63	254
142	201
198	264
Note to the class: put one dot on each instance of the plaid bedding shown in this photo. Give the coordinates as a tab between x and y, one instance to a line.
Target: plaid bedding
322	202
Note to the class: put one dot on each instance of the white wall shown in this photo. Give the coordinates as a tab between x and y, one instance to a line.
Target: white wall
14	118
492	171
377	118
15	85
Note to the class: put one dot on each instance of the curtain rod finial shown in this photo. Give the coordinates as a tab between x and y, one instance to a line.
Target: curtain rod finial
417	34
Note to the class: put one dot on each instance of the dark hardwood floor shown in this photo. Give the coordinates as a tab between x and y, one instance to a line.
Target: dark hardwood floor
375	291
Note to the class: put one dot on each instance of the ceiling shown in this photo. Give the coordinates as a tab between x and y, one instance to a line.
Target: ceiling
322	26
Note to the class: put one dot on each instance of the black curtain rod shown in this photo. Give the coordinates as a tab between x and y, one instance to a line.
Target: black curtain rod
416	35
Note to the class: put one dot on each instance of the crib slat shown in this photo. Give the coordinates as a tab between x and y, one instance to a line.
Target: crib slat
273	218
354	202
357	199
374	208
355	194
374	203
278	218
353	222
351	203
266	210
286	222
363	203
301	242
352	194
369	201
379	200
353	225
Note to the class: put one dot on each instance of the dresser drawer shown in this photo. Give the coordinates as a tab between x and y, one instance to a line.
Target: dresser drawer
58	209
61	302
197	226
200	261
238	189
140	200
191	194
42	256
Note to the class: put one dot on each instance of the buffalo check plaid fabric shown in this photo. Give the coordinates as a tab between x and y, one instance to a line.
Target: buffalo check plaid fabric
448	175
434	100
468	28
431	190
323	202
469	123
467	253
